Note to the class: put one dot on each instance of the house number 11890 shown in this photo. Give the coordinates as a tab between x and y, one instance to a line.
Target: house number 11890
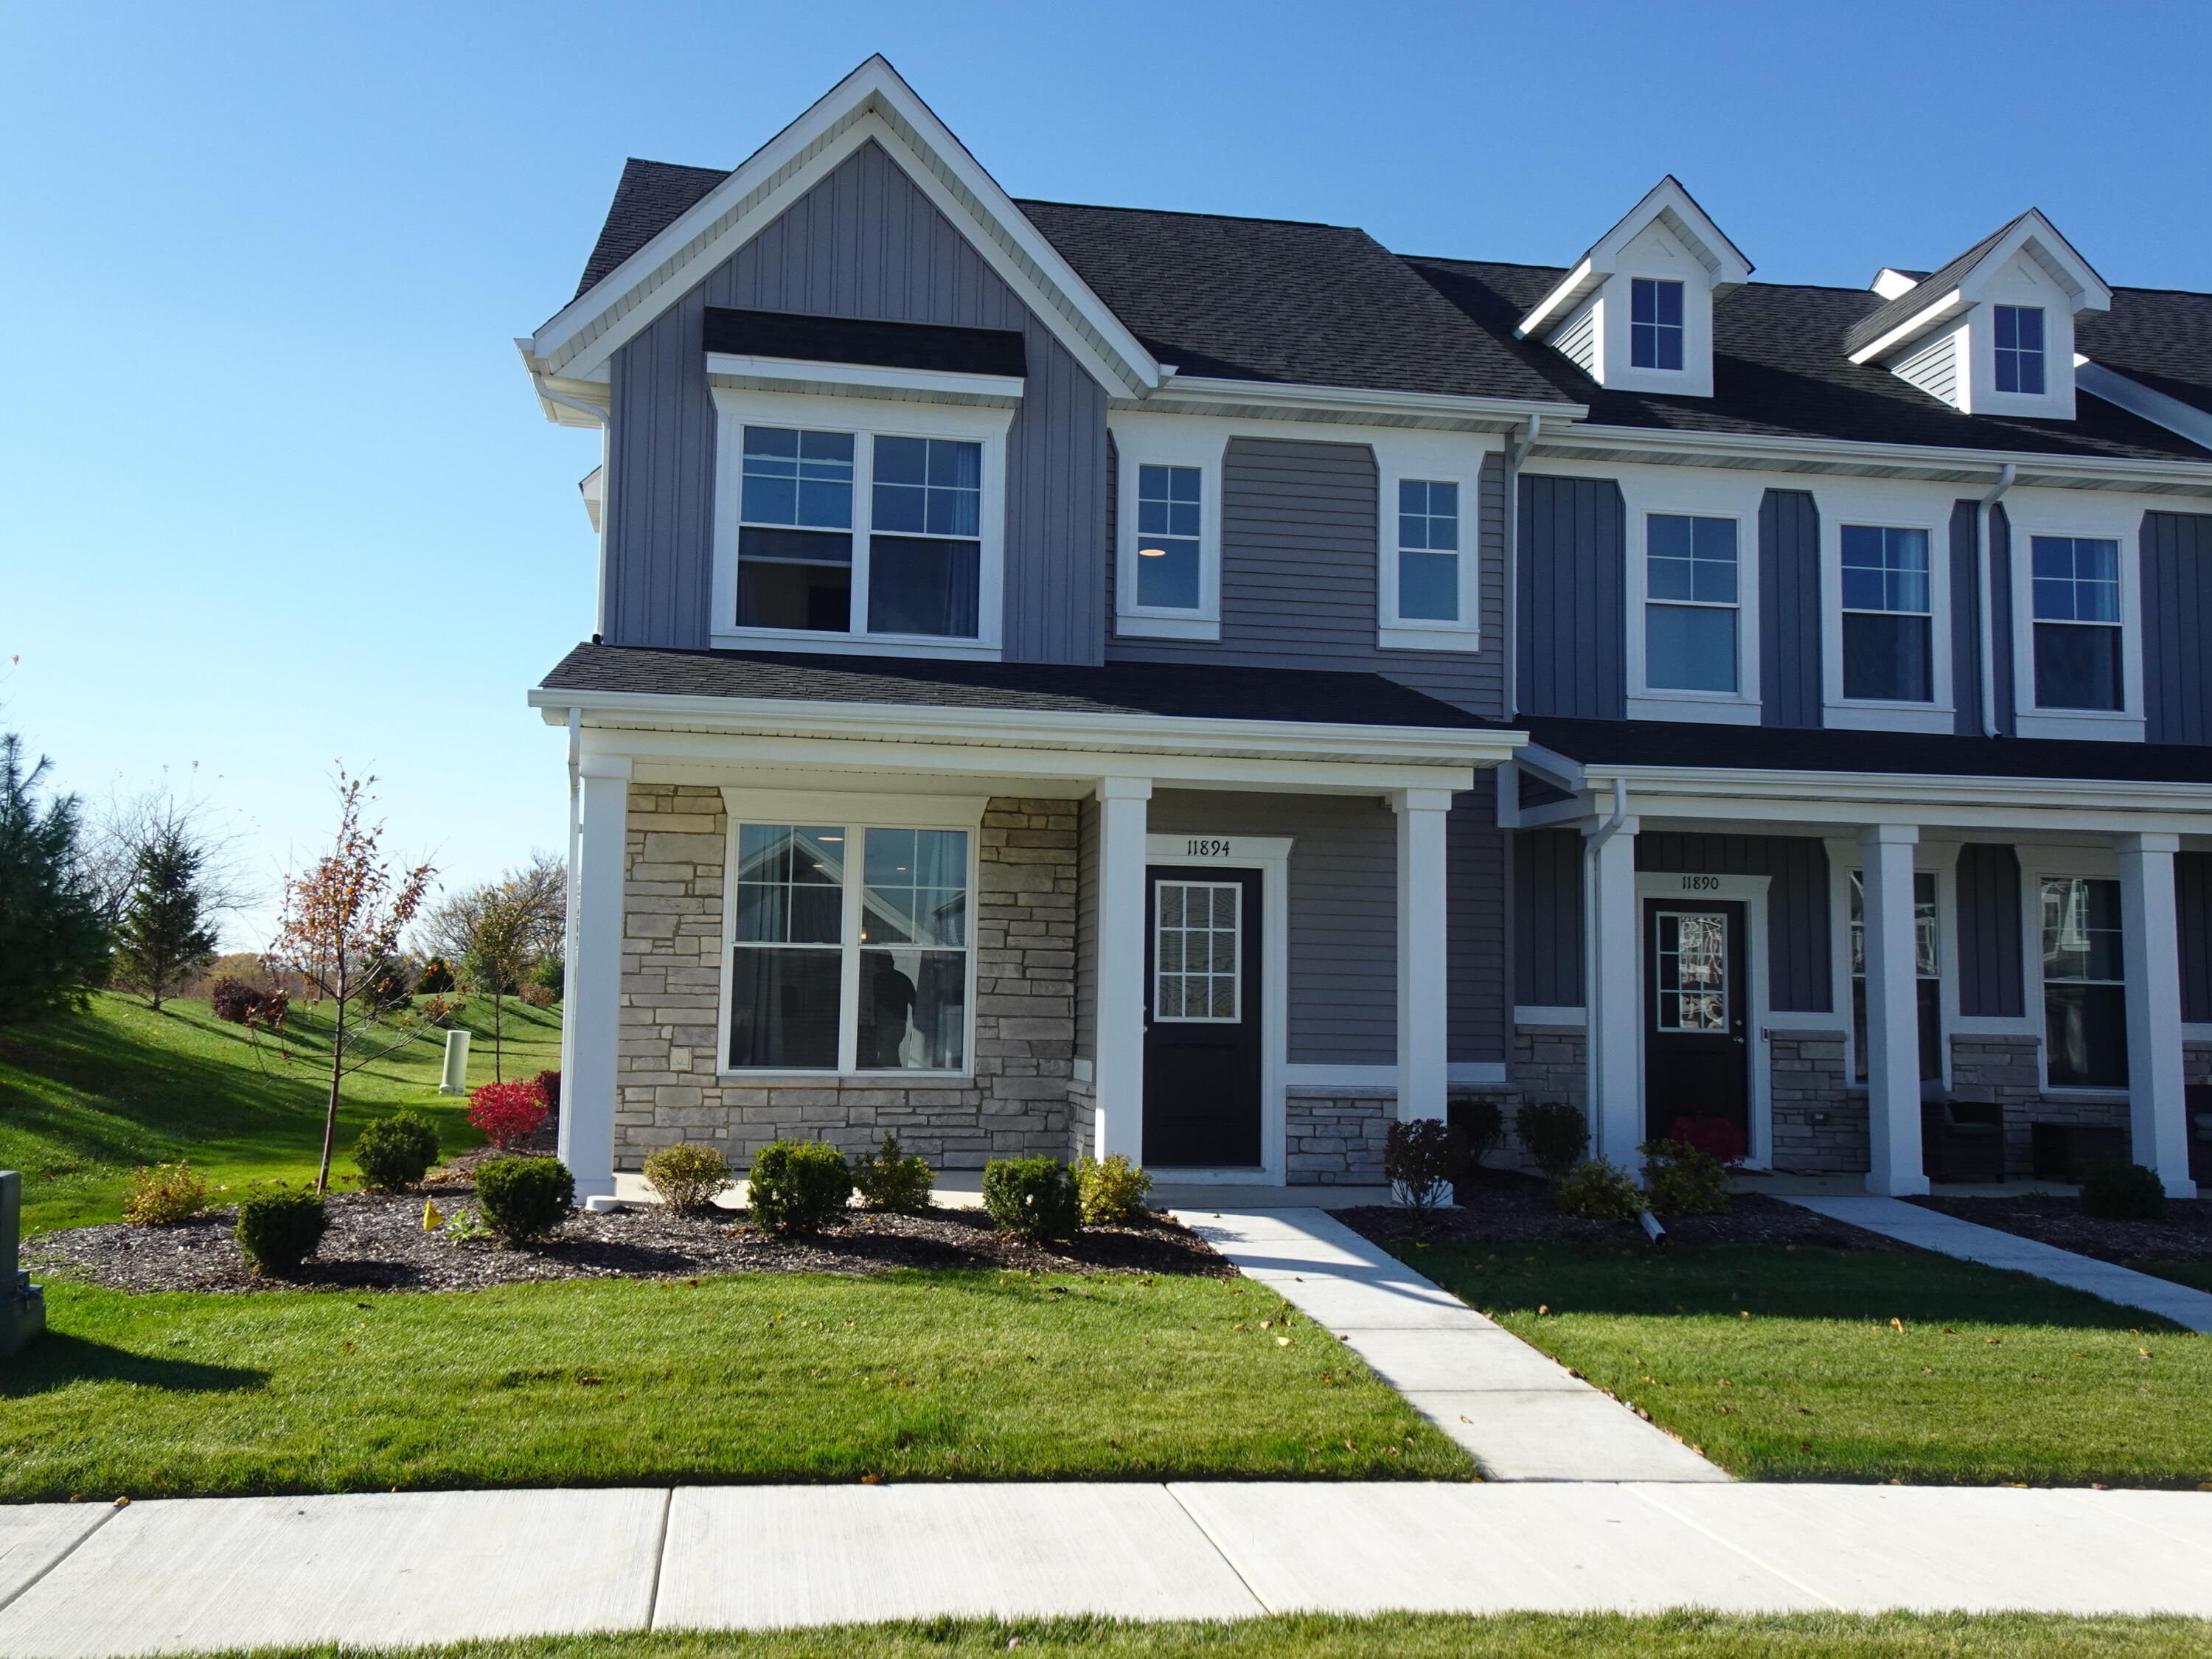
1701	884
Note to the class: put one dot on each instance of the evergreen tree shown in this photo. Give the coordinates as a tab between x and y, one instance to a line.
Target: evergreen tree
164	938
53	941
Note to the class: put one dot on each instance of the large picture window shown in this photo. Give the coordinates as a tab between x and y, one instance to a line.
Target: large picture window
2077	622
1691	590
850	948
2085	1008
1888	615
1928	970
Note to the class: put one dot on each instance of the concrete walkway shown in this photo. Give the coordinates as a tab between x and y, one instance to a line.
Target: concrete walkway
1931	1230
78	1582
1518	1412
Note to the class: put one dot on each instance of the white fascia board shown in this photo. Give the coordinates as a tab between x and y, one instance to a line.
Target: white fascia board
2117	389
1666	203
1193	394
1448	746
798	374
1926	321
1584	444
872	102
2040	238
1571	290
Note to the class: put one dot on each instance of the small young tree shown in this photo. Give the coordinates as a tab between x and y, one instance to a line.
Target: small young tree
53	939
340	921
498	932
506	927
164	940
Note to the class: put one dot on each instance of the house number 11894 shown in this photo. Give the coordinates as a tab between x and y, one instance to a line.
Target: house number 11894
1197	849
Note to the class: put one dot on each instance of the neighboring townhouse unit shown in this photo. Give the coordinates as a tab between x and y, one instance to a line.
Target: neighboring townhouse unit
1074	678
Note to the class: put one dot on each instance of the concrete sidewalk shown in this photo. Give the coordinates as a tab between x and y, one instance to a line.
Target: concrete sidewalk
387	1570
1518	1412
1931	1230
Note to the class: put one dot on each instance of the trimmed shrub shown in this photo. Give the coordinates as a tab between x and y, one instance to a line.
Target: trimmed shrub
550	976
1598	1191
525	1198
164	1195
797	1186
890	1178
277	1231
1420	1160
1032	1198
1554	1133
243	1003
393	1152
507	1113
1717	1137
535	995
1110	1192
2122	1192
1482	1122
1682	1179
687	1175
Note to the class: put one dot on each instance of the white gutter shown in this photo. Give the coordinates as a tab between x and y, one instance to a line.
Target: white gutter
1984	551
1611	826
1509	694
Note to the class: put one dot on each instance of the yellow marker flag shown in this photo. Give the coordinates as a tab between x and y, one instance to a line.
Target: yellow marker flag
431	1219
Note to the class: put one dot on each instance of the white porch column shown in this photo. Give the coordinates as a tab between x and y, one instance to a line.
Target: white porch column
1118	1056
1612	958
1892	998
2158	1114
591	1036
1423	966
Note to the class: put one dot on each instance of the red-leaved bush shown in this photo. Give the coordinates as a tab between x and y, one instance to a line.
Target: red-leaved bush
507	1113
1715	1137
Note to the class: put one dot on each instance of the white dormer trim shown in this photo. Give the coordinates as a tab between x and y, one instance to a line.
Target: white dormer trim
1666	203
871	104
2154	406
2033	235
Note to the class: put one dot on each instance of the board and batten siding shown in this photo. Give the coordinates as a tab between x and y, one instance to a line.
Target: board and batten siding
1573	597
1799	976
1991	982
2192	882
2176	550
1477	926
1997	567
1299	583
865	242
1547	918
1789	631
1966	618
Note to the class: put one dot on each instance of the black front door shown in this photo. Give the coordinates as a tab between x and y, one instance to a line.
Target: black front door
1697	1010
1201	1017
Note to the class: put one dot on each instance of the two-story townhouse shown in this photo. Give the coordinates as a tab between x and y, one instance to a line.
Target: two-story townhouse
1073	679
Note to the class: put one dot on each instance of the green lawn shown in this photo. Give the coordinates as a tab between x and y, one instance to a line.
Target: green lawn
1782	1363
767	1377
1392	1636
85	1098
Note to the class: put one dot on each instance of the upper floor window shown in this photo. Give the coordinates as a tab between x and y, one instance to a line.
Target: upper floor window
1428	550
1692	593
2020	348
1888	617
1171	501
2085	1012
2077	622
1655	324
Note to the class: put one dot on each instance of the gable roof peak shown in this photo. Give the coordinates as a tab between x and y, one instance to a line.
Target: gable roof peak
1953	287
1668	203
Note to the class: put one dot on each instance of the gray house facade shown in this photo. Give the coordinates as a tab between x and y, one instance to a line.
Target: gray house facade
1086	679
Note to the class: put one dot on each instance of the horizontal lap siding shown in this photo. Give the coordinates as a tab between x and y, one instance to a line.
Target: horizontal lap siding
1343	944
1798	973
1990	970
865	242
1572	558
1790	692
2177	607
1547	918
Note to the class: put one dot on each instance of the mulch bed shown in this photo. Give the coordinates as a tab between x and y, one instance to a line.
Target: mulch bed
377	1243
1502	1208
2185	1235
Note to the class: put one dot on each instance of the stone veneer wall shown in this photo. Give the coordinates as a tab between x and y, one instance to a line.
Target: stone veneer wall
1016	1105
1819	1126
2008	1070
1336	1140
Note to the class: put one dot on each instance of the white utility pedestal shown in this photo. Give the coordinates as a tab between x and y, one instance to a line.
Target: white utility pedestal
456	1079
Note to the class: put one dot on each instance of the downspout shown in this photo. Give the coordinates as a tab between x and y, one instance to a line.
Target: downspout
1985	548
1611	827
1510	695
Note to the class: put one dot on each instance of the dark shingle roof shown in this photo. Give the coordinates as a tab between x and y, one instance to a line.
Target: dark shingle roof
1176	690
1924	294
2161	338
650	197
1766	748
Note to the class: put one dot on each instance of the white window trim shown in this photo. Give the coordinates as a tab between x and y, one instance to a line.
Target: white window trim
2038	865
1700	497
1874	713
856	813
2124	723
1938	858
1402	460
865	418
1169	440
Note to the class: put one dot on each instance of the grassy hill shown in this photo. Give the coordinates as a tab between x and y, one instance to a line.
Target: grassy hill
87	1098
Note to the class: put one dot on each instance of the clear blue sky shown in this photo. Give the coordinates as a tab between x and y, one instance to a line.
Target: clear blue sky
279	495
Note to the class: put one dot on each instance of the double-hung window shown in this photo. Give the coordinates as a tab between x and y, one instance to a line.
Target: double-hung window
2085	1013
1424	588
1691	591
1170	548
1167	505
2076	582
1655	324
859	533
1889	626
850	948
2020	350
1928	970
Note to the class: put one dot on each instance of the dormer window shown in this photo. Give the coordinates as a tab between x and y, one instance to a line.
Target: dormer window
2020	350
1654	327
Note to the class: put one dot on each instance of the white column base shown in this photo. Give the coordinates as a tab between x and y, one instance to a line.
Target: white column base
1613	964
592	1039
2158	1108
1118	1067
1424	961
1893	1012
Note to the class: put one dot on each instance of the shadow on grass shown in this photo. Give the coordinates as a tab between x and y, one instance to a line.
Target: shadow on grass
1767	1282
56	1360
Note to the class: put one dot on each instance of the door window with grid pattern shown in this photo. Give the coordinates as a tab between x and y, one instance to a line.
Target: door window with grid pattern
1693	987
1197	935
